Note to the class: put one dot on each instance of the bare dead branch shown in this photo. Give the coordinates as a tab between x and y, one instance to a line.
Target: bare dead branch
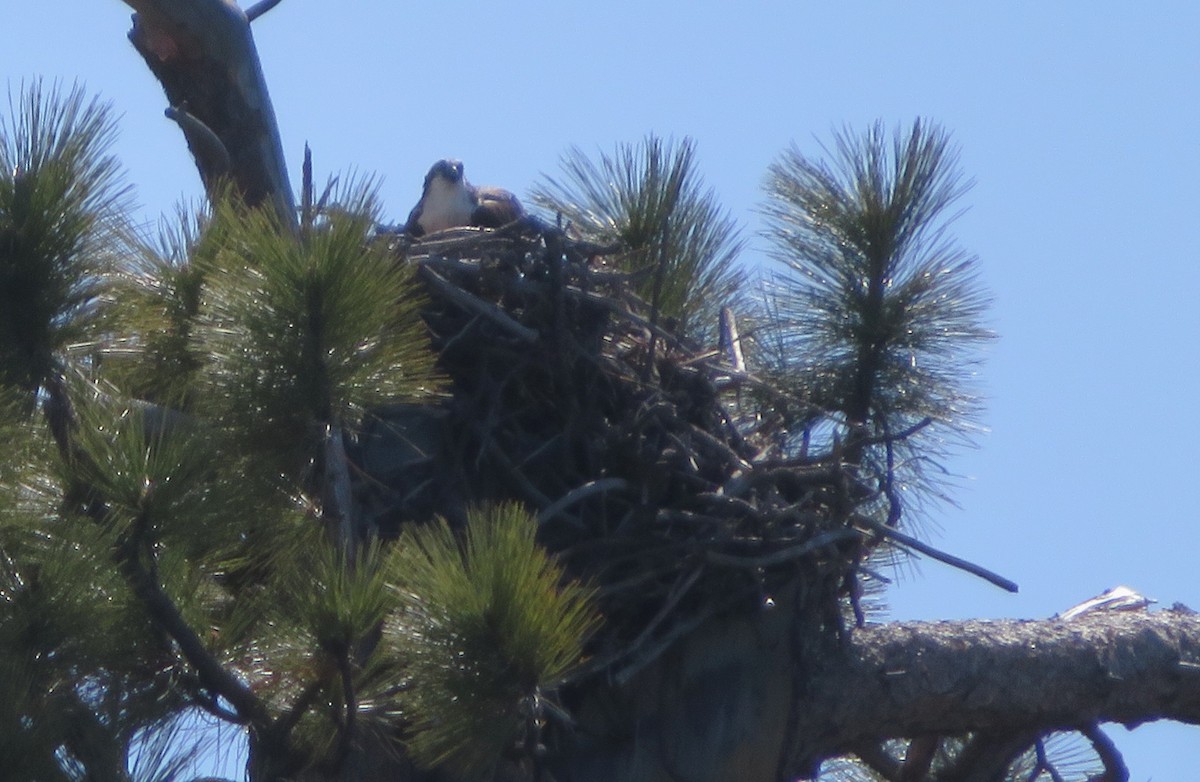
987	755
531	492
1043	764
203	55
918	757
682	586
260	8
731	343
909	541
306	192
208	143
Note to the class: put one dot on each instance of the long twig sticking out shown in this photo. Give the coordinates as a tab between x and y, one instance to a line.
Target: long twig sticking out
260	8
731	342
909	541
306	192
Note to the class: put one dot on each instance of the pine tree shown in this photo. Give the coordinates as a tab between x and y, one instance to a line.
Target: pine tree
502	504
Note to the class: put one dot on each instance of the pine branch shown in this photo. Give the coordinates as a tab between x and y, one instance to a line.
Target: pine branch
62	208
166	615
649	199
875	311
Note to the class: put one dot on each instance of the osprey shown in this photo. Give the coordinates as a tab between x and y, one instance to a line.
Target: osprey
449	200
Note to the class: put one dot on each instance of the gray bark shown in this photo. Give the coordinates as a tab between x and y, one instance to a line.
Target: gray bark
953	677
732	702
203	54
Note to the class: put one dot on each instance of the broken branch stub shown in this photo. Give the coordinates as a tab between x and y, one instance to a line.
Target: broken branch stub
203	54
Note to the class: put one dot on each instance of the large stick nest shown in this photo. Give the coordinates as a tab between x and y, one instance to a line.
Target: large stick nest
650	476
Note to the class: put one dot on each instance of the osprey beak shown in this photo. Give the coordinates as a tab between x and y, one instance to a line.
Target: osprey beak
451	170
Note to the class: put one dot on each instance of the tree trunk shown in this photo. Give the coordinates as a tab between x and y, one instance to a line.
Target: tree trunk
203	54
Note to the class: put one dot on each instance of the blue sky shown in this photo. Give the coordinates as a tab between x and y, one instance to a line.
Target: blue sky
1079	124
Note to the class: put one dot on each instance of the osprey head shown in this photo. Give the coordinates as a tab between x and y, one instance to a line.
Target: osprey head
449	170
448	200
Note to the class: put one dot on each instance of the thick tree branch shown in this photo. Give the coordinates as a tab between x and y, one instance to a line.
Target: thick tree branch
716	705
203	54
1008	677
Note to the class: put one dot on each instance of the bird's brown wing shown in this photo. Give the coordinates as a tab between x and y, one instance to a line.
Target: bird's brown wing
496	207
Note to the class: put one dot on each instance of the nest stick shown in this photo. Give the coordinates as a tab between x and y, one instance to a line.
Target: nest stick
479	306
781	556
580	493
909	541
